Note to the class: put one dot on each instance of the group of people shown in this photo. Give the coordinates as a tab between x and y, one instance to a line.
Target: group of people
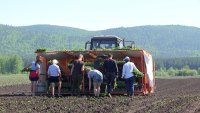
78	68
54	75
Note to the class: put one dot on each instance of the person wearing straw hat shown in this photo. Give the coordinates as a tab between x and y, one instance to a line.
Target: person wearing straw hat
54	74
127	74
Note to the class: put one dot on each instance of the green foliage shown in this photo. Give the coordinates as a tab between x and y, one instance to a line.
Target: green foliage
198	70
41	50
176	39
25	70
120	62
161	72
185	71
125	48
25	40
11	64
89	64
192	62
17	64
119	86
137	73
77	49
171	71
117	48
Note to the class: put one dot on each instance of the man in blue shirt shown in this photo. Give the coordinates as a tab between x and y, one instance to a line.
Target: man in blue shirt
54	75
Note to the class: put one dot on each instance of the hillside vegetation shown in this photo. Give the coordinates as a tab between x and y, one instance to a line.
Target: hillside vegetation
160	41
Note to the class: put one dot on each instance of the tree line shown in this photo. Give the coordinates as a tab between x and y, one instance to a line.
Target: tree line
164	66
178	41
11	64
185	71
177	66
177	63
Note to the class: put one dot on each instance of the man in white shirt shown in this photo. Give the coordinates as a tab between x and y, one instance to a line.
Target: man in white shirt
127	74
54	75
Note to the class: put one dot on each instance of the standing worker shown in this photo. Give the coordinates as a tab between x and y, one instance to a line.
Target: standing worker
34	73
127	74
54	75
111	70
77	74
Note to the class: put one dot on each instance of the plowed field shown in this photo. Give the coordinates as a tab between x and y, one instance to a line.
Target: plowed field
180	95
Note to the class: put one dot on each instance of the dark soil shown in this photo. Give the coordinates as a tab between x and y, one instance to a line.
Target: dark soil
171	96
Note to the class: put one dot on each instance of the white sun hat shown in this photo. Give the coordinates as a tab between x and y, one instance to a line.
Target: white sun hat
55	61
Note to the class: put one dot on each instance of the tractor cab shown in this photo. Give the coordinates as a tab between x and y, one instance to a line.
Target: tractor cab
106	42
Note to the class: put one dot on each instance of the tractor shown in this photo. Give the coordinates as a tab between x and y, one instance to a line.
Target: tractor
95	53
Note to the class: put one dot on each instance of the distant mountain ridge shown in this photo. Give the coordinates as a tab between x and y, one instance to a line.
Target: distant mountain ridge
160	41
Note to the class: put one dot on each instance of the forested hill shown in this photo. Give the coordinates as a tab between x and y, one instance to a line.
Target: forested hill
161	41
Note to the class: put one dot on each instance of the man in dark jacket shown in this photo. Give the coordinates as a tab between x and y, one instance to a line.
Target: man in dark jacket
111	71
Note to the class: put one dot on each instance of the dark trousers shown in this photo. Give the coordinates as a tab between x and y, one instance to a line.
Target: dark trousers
130	85
110	81
76	83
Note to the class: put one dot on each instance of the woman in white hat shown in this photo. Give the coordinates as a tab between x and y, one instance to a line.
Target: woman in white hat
54	75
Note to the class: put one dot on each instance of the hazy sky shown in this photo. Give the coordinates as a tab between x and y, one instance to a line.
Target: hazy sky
100	14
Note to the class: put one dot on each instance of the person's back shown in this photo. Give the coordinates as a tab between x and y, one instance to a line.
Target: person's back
77	67
53	70
77	74
128	69
111	71
95	74
97	77
110	66
54	74
127	74
34	65
34	73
